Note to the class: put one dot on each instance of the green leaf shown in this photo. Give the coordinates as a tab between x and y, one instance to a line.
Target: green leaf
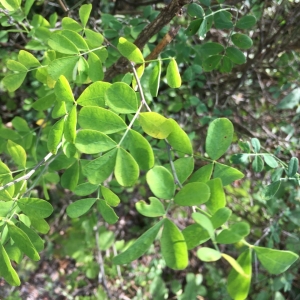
193	27
154	79
94	94
241	40
63	66
203	29
173	75
95	71
217	198
35	239
59	109
222	20
94	39
203	174
210	48
84	13
13	81
17	153
173	246
211	63
55	135
76	39
99	169
275	261
205	2
27	6
40	225
44	102
28	60
63	91
195	235
208	254
161	182
293	167
61	44
195	10
184	167
80	207
270	160
234	233
35	207
194	193
70	125
219	137
11	5
107	212
110	197
6	270
70	24
152	210
20	124
130	51
179	140
270	190
100	119
237	267
255	144
204	222
246	22
291	100
92	141
140	149
257	164
226	65
16	66
126	168
227	174
235	55
139	247
70	177
5	207
121	98
22	241
220	217
237	285
155	125
85	189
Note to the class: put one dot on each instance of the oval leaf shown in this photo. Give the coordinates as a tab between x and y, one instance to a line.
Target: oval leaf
107	212
130	51
275	261
226	173
139	247
195	193
241	40
161	182
55	135
235	55
126	168
92	141
121	98
35	207
100	119
173	75
237	285
173	246
208	254
219	137
80	207
110	197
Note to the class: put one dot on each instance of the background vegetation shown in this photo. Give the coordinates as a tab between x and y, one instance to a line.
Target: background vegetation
259	94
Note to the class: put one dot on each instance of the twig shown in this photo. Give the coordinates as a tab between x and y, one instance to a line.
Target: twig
30	173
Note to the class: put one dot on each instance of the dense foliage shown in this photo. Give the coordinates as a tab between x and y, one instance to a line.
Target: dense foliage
192	107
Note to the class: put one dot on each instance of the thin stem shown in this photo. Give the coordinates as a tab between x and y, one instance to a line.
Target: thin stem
101	275
30	173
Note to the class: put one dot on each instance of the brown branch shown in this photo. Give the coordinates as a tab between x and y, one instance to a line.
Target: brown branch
163	19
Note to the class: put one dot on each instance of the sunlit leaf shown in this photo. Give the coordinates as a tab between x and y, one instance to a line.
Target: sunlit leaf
173	246
173	75
130	51
154	209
